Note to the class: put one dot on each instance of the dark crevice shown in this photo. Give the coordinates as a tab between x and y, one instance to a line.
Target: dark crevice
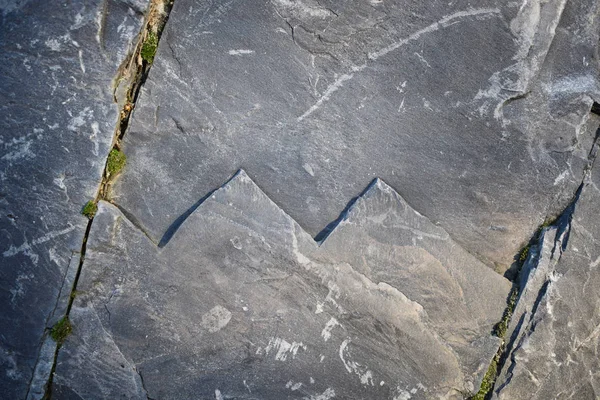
175	225
134	221
563	230
319	238
48	393
152	21
143	384
322	236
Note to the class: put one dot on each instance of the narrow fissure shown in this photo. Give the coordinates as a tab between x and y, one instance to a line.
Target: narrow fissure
563	224
134	70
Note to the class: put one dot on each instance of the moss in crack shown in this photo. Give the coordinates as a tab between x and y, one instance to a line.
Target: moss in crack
75	293
548	222
61	330
116	162
502	327
500	330
89	210
524	253
488	380
149	47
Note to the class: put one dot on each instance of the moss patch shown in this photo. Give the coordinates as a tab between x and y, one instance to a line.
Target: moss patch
524	253
500	330
149	47
116	162
488	380
502	326
89	210
61	330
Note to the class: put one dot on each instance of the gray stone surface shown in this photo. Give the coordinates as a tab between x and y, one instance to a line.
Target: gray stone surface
556	329
477	114
243	303
57	120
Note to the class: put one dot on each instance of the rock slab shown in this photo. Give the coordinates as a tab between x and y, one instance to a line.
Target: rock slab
477	114
243	303
57	120
554	352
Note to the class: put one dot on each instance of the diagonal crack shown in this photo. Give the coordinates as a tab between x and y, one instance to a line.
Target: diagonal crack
154	23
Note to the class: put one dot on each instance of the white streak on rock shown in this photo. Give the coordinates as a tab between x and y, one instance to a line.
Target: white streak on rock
561	177
240	52
365	375
300	9
328	394
442	23
284	348
26	246
330	90
81	65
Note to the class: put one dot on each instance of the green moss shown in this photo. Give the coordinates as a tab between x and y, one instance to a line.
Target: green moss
149	47
61	330
488	380
549	221
116	162
500	330
502	326
524	253
75	293
89	210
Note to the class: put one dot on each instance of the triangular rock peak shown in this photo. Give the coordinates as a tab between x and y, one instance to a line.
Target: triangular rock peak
242	301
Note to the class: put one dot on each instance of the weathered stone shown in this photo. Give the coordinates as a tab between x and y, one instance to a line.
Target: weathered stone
477	115
243	303
57	120
556	329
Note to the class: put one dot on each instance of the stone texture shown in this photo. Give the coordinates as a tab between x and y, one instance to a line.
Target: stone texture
243	303
556	329
57	120
478	115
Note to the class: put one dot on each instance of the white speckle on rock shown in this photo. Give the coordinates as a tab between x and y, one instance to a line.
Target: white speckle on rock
240	52
402	395
53	44
308	169
328	394
235	241
293	386
79	120
284	348
319	308
216	319
326	333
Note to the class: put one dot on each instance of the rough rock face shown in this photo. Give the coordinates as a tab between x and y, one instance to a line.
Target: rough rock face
57	119
243	303
554	350
476	114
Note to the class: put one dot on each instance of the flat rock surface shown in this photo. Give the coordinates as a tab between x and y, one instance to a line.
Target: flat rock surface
243	303
556	339
57	120
478	115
